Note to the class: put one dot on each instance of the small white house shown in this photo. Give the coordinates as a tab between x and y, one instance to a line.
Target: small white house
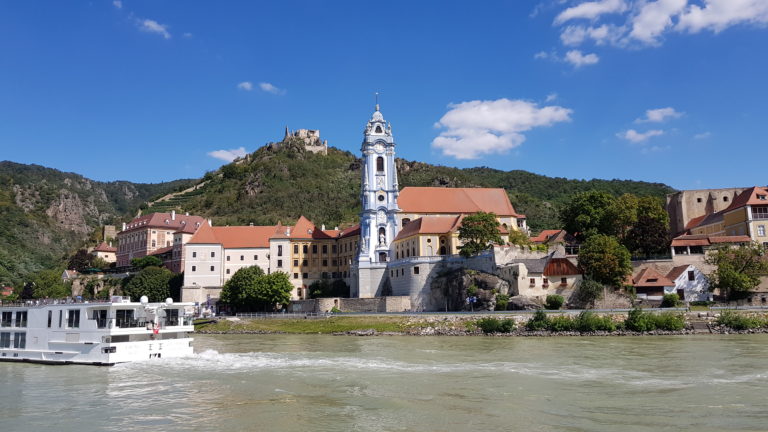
690	283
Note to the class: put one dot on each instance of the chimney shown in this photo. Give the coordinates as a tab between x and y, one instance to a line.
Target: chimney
110	244
186	214
322	227
250	224
336	228
287	231
173	214
123	226
210	223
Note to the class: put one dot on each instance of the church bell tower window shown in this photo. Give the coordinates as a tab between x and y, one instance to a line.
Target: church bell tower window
380	164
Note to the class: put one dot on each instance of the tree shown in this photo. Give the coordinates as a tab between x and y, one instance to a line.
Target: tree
250	289
737	269
146	261
518	238
324	288
153	282
605	260
48	284
588	214
80	261
621	216
238	290
589	291
478	232
650	233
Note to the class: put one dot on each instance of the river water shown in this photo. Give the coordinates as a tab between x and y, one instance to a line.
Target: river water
400	383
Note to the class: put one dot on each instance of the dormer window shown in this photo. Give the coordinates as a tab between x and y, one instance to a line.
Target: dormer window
652	280
761	197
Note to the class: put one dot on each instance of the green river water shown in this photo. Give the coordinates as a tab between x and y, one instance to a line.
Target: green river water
400	383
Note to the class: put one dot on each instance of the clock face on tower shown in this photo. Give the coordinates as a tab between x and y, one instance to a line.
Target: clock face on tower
378	148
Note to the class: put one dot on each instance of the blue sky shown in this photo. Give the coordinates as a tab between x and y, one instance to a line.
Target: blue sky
672	91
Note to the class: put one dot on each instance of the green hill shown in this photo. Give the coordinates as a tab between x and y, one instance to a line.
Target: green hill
46	213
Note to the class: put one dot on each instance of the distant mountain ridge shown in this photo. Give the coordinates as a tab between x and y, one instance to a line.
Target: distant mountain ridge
51	212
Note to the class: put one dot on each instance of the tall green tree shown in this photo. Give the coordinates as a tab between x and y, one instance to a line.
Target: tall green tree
650	233
250	289
146	261
478	232
588	214
737	269
518	238
605	260
48	284
153	282
621	216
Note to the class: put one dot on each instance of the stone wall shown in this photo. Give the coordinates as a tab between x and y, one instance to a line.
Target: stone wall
376	304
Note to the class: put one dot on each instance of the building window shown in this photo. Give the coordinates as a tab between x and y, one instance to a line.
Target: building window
416	270
295	248
761	230
255	257
333	249
279	250
305	275
314	249
698	200
295	263
545	283
298	292
533	281
563	281
280	263
725	199
324	275
305	249
691	275
227	257
227	271
21	319
194	254
213	254
304	263
73	318
325	263
194	268
20	340
153	243
760	212
295	275
334	263
380	164
242	257
211	268
325	249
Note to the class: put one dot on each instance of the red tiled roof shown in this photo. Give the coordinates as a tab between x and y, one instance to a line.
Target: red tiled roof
560	267
545	235
749	197
430	225
649	277
6	291
455	200
104	247
707	240
351	231
693	223
235	237
677	271
165	221
161	250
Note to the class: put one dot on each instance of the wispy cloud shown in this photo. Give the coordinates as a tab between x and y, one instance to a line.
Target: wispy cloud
228	155
659	115
245	85
703	135
117	3
591	10
152	26
477	128
269	88
636	137
551	97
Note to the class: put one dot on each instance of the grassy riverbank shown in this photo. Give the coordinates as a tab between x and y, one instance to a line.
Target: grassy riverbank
339	324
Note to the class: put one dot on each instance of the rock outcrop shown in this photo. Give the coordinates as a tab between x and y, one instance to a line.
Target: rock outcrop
456	286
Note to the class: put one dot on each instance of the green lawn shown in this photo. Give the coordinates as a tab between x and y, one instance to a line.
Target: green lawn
320	325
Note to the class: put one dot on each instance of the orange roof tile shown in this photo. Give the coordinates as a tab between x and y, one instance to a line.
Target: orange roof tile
430	225
544	236
351	231
560	267
650	277
750	196
164	220
104	247
707	240
677	271
235	237
693	223
455	200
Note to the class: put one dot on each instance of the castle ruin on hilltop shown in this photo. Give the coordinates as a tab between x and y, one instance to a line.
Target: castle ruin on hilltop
311	139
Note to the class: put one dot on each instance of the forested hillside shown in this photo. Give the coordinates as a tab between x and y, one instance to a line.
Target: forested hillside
45	213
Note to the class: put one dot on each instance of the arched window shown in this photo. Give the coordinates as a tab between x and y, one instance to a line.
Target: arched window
379	164
378	129
442	250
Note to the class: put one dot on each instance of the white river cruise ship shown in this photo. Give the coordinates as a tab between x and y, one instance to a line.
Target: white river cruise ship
95	333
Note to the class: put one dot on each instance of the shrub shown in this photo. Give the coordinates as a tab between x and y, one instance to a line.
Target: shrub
670	300
554	302
539	321
561	323
502	301
702	303
472	290
669	321
639	321
589	291
738	321
335	310
492	325
587	321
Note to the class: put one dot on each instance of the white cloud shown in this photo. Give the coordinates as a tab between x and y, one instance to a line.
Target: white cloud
152	26
591	10
659	115
551	97
578	59
187	35
478	128
245	85
654	18
638	137
541	55
228	155
269	88
605	34
718	15
117	3
703	135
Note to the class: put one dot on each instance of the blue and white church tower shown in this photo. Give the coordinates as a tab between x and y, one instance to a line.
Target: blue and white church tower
378	218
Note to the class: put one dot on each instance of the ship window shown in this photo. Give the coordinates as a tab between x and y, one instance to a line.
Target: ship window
172	317
50	318
73	318
5	340
6	320
21	319
61	313
124	318
20	340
